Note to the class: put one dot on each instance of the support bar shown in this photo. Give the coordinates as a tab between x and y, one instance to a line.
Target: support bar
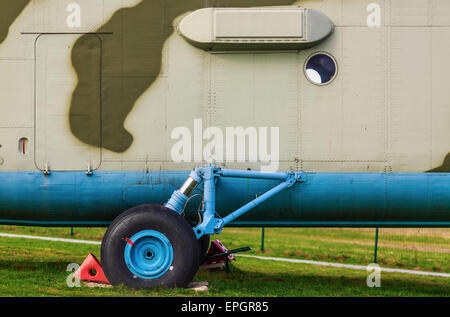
239	212
253	174
212	224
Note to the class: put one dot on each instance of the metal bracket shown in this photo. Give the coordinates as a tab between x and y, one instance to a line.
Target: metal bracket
89	169
46	170
211	223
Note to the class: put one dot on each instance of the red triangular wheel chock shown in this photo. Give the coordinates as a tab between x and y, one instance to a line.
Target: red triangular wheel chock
91	270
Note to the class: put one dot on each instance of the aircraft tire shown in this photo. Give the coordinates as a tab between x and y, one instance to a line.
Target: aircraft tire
204	243
150	246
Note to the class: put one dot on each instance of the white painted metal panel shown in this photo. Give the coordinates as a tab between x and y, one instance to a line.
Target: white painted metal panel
56	79
258	23
255	29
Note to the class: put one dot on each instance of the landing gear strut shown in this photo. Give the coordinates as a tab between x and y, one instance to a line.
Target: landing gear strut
211	223
153	245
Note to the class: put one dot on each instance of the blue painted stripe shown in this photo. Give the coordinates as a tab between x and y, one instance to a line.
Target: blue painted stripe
323	200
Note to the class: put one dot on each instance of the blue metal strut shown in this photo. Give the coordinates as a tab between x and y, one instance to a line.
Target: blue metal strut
211	223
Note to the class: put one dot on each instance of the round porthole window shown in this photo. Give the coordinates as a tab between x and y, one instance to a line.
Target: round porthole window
320	68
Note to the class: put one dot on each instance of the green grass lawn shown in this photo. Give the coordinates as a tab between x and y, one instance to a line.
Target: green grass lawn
38	268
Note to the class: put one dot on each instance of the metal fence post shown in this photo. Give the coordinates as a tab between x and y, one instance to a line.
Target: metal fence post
262	239
376	247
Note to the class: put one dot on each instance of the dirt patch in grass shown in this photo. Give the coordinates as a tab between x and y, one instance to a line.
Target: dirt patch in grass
308	256
410	232
428	248
22	267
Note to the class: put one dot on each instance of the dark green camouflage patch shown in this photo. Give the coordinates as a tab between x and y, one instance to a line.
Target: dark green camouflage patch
131	62
9	11
444	168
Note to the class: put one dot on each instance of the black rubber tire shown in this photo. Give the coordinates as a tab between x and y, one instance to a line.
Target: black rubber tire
204	243
186	251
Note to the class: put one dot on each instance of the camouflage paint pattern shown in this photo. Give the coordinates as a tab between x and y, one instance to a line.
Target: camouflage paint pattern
131	63
133	53
9	11
444	168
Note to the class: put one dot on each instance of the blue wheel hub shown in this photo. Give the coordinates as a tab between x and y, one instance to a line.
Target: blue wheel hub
148	254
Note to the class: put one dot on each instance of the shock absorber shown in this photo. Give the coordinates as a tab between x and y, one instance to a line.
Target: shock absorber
180	196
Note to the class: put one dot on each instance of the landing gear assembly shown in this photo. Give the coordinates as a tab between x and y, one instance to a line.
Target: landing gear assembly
152	245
